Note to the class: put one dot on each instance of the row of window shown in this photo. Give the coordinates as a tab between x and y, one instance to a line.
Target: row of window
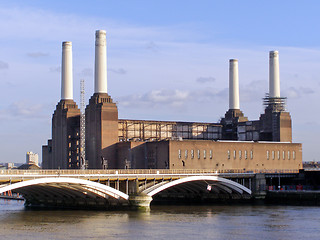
77	134
277	154
70	165
240	154
77	151
198	153
77	143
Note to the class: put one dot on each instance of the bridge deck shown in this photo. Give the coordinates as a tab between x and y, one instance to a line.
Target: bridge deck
12	176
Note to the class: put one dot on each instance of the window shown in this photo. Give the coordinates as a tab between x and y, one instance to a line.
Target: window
283	155
70	145
267	155
198	154
294	155
288	155
245	154
210	153
77	142
240	154
228	154
186	154
234	154
278	153
272	155
251	153
192	153
179	153
204	154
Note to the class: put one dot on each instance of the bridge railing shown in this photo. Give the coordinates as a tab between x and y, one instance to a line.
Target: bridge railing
58	172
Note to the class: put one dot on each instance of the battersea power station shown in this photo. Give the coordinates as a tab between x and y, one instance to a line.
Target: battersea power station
98	139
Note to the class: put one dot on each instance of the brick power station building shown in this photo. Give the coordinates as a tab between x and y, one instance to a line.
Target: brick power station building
233	144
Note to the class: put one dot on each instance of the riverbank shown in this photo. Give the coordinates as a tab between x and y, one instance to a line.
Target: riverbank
293	197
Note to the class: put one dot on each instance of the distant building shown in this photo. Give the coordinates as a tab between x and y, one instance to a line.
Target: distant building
29	166
32	158
9	165
311	165
47	155
233	144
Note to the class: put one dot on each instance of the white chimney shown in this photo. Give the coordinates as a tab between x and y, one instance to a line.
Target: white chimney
100	71
274	77
234	102
66	72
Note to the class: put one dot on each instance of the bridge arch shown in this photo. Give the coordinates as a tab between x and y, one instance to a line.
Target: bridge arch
217	183
63	189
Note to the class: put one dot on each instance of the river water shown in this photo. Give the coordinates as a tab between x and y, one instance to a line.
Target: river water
162	222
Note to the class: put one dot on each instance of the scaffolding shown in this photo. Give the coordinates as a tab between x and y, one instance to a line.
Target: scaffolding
82	126
277	104
144	130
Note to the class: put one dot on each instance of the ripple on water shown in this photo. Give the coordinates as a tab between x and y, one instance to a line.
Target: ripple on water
172	222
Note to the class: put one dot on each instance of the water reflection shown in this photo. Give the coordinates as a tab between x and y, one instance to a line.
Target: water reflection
171	222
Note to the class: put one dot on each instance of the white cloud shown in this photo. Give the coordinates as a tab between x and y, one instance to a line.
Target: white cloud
87	72
253	91
174	98
294	92
163	97
152	46
24	109
37	54
117	70
4	65
205	79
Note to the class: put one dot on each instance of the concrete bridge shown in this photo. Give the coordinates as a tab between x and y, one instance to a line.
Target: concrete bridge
126	188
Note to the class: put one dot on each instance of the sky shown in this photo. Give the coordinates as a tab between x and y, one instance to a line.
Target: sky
167	60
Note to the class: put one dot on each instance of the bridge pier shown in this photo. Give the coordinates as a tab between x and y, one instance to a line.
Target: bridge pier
140	201
259	186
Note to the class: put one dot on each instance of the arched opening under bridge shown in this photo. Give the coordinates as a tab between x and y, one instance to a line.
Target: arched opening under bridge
67	192
198	189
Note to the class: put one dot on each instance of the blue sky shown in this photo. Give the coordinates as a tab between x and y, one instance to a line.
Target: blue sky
167	60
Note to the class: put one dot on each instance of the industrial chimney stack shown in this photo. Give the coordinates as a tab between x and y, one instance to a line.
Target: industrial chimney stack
65	120
233	85
234	115
100	74
274	76
66	72
101	114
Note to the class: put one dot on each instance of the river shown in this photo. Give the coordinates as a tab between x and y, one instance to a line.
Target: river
162	222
